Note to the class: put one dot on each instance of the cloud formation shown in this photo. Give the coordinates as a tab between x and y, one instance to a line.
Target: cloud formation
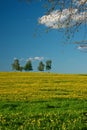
14	58
35	58
82	48
65	18
39	58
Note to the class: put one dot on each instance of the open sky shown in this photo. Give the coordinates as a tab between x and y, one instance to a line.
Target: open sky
22	37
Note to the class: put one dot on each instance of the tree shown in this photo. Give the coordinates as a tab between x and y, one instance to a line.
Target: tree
41	66
48	65
65	15
28	66
16	66
21	68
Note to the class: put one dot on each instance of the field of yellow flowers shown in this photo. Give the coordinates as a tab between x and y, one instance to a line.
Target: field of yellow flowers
43	101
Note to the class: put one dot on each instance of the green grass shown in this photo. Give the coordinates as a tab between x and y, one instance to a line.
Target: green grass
43	101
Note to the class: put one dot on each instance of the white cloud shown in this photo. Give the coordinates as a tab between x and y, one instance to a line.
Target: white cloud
82	48
14	58
66	18
30	58
39	58
35	58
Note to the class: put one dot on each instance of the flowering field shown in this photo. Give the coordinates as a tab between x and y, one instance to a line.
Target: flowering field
43	101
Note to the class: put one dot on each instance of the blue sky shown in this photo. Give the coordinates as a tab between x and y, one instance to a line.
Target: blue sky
19	23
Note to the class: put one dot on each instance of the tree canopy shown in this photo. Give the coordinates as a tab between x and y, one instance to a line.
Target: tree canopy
41	66
64	15
28	66
16	66
48	65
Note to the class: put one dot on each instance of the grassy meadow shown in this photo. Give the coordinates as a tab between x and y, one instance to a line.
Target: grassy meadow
43	101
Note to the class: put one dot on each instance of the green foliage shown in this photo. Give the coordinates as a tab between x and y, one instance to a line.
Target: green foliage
21	68
56	114
41	66
43	101
42	121
28	66
16	66
48	64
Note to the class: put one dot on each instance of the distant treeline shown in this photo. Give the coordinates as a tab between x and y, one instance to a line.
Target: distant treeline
28	66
